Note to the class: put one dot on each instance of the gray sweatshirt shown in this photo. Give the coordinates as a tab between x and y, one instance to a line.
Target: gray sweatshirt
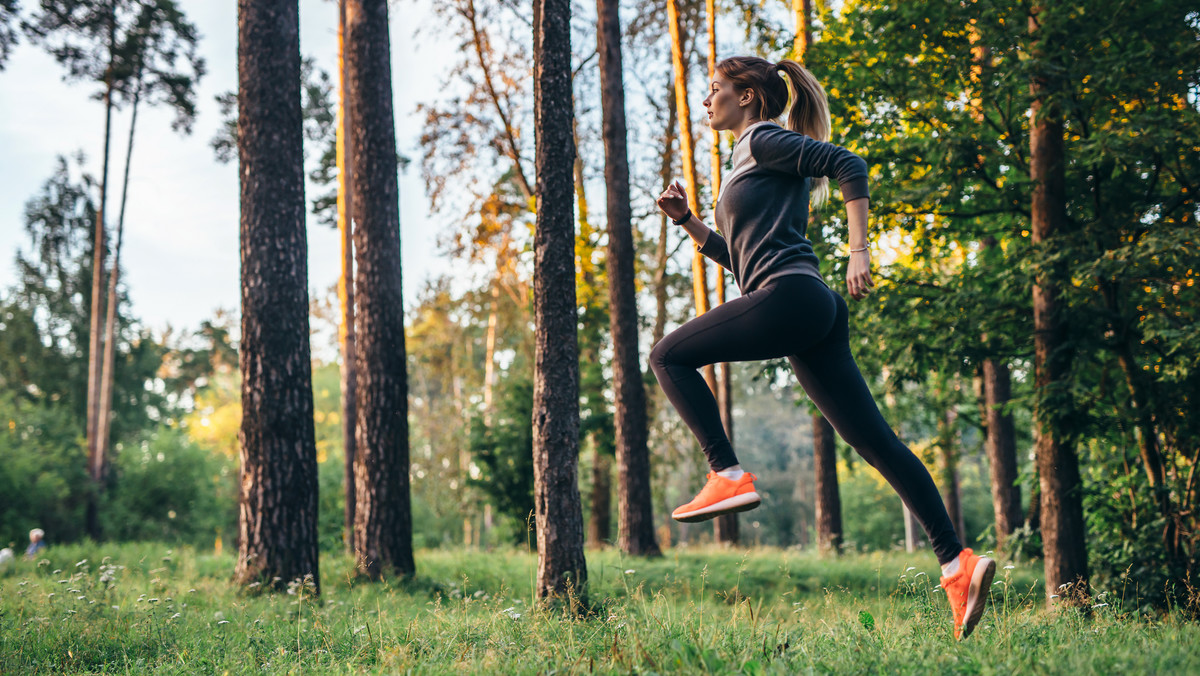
763	205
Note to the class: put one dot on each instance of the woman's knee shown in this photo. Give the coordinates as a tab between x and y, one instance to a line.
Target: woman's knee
658	354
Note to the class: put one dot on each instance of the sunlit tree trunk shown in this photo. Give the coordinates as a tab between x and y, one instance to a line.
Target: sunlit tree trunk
562	569
278	506
725	528
688	152
1062	526
383	514
346	335
95	454
107	374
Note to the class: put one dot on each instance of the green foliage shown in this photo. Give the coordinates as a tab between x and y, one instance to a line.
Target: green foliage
166	488
503	451
43	481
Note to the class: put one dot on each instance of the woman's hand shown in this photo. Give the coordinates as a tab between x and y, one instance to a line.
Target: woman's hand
858	275
673	202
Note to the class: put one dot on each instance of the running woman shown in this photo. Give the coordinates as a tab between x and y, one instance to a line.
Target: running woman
786	309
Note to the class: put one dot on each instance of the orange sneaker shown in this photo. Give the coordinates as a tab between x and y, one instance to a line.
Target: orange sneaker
720	496
967	590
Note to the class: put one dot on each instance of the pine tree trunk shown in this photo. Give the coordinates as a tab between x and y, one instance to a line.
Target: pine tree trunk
1001	450
1062	526
947	444
600	521
661	255
107	374
829	503
562	569
346	335
635	518
278	510
95	454
383	515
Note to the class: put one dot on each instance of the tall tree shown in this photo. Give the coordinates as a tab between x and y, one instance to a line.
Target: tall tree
159	38
345	222
725	527
383	516
828	507
1062	526
278	502
635	525
562	569
82	36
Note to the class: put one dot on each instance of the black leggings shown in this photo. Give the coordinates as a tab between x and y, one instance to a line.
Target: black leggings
800	318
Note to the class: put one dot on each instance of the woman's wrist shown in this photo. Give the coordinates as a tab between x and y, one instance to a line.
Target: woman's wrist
682	220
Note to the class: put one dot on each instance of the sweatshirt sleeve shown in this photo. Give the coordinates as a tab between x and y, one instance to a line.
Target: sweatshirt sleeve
717	249
789	152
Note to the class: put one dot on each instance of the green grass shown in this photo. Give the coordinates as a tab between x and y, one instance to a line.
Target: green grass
756	611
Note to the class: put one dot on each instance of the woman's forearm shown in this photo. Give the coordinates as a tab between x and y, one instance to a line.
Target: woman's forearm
857	213
697	230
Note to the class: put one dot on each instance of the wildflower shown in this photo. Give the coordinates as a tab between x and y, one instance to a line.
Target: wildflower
81	563
1009	567
511	611
116	607
175	616
80	598
153	600
1099	605
910	568
223	622
630	571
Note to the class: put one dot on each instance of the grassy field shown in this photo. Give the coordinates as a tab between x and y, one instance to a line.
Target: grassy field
140	608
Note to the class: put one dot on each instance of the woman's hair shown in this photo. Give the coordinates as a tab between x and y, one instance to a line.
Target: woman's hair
809	113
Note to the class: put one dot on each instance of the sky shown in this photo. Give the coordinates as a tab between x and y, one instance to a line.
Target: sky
180	259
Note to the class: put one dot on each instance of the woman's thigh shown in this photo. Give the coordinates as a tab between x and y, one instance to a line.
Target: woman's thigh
787	317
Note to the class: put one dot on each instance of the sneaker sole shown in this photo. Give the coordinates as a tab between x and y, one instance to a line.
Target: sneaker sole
977	593
738	503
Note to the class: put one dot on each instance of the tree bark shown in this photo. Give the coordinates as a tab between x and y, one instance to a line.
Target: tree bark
1062	526
635	518
107	374
95	456
661	254
829	503
562	569
947	444
600	521
346	334
383	515
278	510
1001	450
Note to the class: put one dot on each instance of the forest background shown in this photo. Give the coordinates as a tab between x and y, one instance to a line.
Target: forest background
936	97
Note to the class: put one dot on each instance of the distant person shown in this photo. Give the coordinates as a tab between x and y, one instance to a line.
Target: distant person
786	309
37	542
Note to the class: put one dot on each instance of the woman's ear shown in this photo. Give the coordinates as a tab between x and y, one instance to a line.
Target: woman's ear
746	98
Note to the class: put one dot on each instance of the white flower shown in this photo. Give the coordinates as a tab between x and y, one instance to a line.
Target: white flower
630	571
1009	567
1099	605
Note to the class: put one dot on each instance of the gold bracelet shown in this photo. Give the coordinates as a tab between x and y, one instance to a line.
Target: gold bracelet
857	250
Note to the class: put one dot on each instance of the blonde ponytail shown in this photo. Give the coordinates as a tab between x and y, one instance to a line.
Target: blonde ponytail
809	115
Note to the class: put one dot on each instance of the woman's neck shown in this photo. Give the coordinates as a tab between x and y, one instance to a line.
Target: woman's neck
743	126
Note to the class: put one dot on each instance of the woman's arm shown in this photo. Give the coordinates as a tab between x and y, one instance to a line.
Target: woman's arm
673	203
858	272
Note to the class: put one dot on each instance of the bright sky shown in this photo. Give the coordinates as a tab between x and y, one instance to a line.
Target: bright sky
180	256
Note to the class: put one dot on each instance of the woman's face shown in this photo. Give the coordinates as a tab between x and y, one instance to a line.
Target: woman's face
724	103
